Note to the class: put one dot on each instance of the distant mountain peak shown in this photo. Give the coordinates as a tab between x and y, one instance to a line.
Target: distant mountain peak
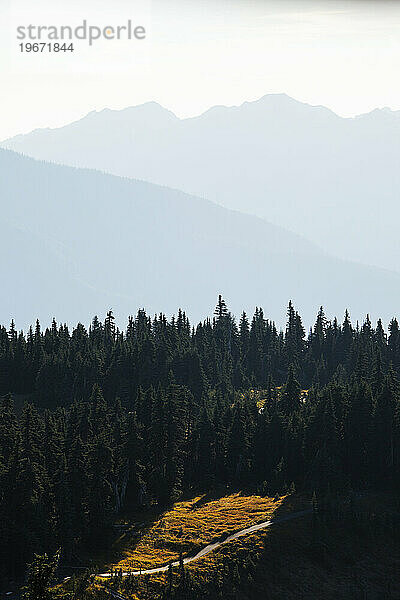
147	110
281	102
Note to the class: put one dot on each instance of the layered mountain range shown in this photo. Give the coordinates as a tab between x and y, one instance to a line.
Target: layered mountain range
76	242
333	180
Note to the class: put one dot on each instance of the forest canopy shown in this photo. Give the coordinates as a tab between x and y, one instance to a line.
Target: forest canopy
95	421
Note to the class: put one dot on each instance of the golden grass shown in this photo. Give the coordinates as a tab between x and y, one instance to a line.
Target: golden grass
290	559
192	524
213	562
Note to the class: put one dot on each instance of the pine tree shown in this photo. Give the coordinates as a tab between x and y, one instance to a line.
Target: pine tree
40	577
220	310
290	400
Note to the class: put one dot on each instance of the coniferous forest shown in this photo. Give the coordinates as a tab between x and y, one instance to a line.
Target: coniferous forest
93	421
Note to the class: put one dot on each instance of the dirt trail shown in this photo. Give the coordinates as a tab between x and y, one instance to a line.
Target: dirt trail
211	547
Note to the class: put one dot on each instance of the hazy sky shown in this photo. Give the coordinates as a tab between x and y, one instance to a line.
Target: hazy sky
342	54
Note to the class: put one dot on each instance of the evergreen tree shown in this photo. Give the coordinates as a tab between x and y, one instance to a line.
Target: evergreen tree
290	400
40	577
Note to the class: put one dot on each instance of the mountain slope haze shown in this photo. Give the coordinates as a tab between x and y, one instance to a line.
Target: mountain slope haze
76	242
334	180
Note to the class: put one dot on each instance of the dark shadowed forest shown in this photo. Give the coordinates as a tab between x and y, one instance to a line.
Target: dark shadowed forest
93	421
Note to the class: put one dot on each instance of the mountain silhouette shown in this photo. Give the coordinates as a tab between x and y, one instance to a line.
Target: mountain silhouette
333	180
76	242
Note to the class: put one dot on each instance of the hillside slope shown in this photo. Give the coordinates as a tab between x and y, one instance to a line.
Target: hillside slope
334	180
77	242
350	552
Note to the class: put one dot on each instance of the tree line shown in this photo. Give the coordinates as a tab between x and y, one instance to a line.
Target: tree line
117	419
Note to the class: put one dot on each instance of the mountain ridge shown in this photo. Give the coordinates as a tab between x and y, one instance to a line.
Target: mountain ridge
76	242
331	179
106	109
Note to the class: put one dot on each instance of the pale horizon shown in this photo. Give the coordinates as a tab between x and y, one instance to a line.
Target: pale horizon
343	55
